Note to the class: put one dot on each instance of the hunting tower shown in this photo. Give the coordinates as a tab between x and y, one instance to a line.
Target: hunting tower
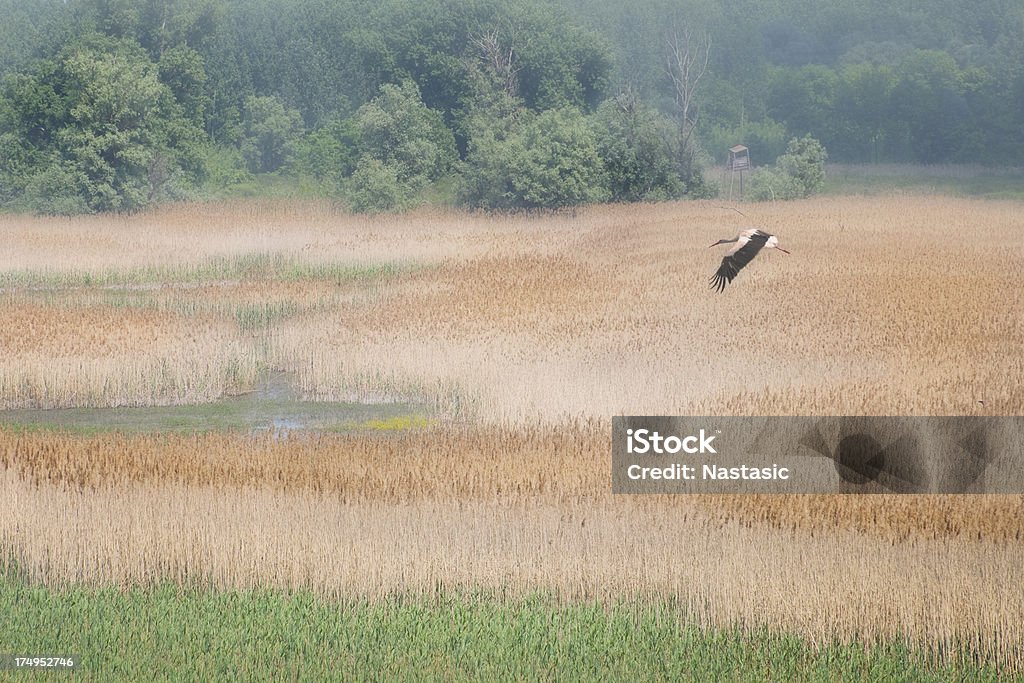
739	161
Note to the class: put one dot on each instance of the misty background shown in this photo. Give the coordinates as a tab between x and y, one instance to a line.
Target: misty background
112	105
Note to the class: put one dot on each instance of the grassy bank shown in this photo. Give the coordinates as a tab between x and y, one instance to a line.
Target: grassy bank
167	632
963	180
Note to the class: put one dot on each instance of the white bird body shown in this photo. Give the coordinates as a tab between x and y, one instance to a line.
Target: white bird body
748	244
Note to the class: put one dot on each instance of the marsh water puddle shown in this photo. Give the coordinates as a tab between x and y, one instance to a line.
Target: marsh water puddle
274	406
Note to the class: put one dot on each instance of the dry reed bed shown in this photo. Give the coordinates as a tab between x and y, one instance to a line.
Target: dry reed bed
56	357
512	467
189	235
885	306
940	595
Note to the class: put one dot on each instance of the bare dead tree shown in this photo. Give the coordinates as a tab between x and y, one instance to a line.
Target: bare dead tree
501	60
686	63
628	100
688	57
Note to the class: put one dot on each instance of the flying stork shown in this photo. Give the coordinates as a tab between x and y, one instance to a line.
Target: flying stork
748	243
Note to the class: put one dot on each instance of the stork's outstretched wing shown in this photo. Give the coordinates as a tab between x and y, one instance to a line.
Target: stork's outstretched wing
739	256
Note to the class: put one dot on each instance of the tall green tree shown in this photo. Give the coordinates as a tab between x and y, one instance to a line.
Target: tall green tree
399	130
865	122
803	99
929	101
637	146
546	160
272	130
99	120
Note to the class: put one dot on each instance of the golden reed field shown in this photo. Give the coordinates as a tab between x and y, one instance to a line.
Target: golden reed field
521	336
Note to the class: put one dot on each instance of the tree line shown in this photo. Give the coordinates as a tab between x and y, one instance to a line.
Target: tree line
112	105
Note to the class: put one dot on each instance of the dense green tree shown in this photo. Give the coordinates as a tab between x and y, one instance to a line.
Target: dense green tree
561	65
271	132
58	187
32	30
328	154
547	160
99	118
558	164
637	146
399	130
803	99
804	161
114	134
929	101
156	25
183	71
17	162
864	127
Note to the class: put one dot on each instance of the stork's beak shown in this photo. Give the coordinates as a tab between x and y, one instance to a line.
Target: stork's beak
716	243
782	250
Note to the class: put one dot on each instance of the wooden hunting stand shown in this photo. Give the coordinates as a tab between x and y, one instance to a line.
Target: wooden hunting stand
739	161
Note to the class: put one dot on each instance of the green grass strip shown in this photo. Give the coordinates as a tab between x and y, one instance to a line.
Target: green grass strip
171	633
247	267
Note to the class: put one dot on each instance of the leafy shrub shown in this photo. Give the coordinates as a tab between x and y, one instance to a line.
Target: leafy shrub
804	161
638	147
769	183
56	190
548	160
798	173
225	169
397	129
328	154
376	187
271	132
